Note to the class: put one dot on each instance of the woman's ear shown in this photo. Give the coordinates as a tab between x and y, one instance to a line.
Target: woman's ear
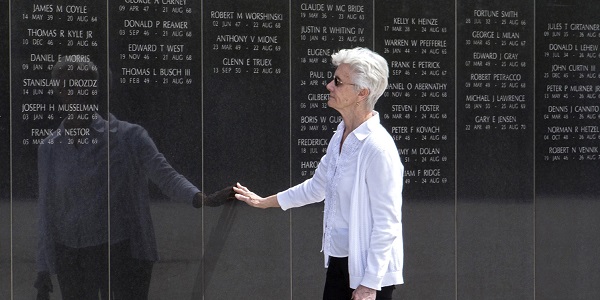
364	93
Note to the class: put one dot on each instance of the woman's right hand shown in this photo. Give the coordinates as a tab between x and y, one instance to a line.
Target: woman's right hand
254	200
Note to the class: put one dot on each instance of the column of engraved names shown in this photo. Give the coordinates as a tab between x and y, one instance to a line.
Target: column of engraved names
246	42
154	42
570	91
320	29
496	89
47	34
419	95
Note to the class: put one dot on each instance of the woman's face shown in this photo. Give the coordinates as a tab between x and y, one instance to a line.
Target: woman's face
342	94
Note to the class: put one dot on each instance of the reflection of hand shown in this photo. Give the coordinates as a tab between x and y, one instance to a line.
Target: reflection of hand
254	200
364	293
43	284
215	199
220	197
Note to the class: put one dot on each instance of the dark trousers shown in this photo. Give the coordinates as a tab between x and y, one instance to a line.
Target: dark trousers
337	282
83	273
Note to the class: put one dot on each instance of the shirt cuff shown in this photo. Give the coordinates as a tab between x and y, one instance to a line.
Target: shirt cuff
371	281
284	200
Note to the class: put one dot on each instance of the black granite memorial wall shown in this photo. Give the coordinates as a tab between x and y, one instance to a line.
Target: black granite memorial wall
5	228
566	137
495	192
493	106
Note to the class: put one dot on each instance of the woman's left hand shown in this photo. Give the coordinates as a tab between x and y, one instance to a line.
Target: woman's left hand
364	293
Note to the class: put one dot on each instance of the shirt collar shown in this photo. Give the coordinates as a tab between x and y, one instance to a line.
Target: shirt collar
363	131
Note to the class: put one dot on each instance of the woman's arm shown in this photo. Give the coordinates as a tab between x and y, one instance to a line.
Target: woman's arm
254	200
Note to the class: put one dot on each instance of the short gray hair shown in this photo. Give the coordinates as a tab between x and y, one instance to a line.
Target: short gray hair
370	71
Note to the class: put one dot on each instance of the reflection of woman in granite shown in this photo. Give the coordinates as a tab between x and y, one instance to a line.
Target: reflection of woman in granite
360	179
94	199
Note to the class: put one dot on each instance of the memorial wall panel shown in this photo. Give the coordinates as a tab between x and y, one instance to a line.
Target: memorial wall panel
493	106
246	120
58	63
567	143
5	221
494	153
417	39
156	82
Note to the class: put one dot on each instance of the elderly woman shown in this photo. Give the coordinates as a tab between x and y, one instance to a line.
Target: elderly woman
360	179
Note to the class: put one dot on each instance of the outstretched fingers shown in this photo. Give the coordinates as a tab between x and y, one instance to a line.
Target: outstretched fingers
243	194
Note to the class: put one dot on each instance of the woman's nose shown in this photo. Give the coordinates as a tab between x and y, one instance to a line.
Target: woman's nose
330	85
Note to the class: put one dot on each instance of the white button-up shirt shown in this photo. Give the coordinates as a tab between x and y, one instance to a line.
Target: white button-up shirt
362	188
